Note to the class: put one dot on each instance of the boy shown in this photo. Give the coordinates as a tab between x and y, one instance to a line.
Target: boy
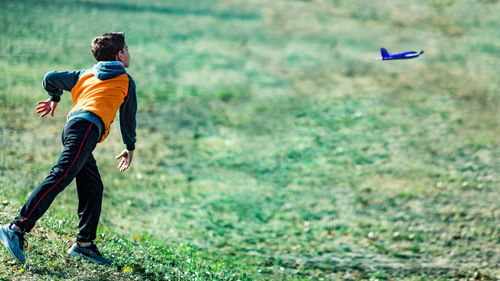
97	94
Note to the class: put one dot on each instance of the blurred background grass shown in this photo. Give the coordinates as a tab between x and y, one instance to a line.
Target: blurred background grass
269	139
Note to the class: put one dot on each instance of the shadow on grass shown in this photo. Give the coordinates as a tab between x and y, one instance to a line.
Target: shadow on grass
411	268
138	8
77	271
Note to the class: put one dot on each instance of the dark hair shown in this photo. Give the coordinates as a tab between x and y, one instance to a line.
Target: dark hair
107	46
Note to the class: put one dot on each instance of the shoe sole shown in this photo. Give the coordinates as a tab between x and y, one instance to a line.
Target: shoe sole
5	238
75	254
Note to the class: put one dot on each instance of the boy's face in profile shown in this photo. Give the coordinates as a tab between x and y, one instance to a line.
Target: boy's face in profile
123	56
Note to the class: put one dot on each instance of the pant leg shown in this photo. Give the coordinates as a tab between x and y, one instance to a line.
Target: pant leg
79	139
89	187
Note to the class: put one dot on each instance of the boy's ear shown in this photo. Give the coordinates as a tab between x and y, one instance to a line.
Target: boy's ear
119	56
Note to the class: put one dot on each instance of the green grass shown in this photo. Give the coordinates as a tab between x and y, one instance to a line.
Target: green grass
270	144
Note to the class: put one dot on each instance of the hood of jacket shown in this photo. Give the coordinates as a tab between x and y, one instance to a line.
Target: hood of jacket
104	70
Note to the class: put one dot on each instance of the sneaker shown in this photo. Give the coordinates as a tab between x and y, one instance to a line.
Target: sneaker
89	252
13	239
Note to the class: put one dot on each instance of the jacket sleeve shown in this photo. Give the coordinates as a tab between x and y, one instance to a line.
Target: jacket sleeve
55	82
128	110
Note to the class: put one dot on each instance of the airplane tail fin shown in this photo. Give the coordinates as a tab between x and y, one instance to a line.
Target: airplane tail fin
384	52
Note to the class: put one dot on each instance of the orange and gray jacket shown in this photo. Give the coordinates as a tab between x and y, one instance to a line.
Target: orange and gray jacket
98	94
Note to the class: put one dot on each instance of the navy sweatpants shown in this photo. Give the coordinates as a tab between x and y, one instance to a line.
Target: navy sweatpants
79	139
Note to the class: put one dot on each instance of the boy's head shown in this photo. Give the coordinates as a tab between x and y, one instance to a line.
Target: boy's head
111	47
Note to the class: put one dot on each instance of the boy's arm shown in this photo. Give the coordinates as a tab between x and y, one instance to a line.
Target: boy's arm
127	117
127	126
55	82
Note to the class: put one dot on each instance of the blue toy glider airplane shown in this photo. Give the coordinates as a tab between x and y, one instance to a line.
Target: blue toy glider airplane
400	56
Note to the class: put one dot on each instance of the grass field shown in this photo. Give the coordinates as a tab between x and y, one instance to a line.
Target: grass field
271	146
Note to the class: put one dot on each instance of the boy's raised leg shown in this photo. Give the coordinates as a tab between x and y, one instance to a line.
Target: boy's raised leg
79	139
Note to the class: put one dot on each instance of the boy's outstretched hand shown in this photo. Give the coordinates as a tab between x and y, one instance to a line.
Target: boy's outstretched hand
45	107
127	159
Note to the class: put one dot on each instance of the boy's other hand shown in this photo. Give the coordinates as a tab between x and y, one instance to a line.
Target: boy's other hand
127	159
45	107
